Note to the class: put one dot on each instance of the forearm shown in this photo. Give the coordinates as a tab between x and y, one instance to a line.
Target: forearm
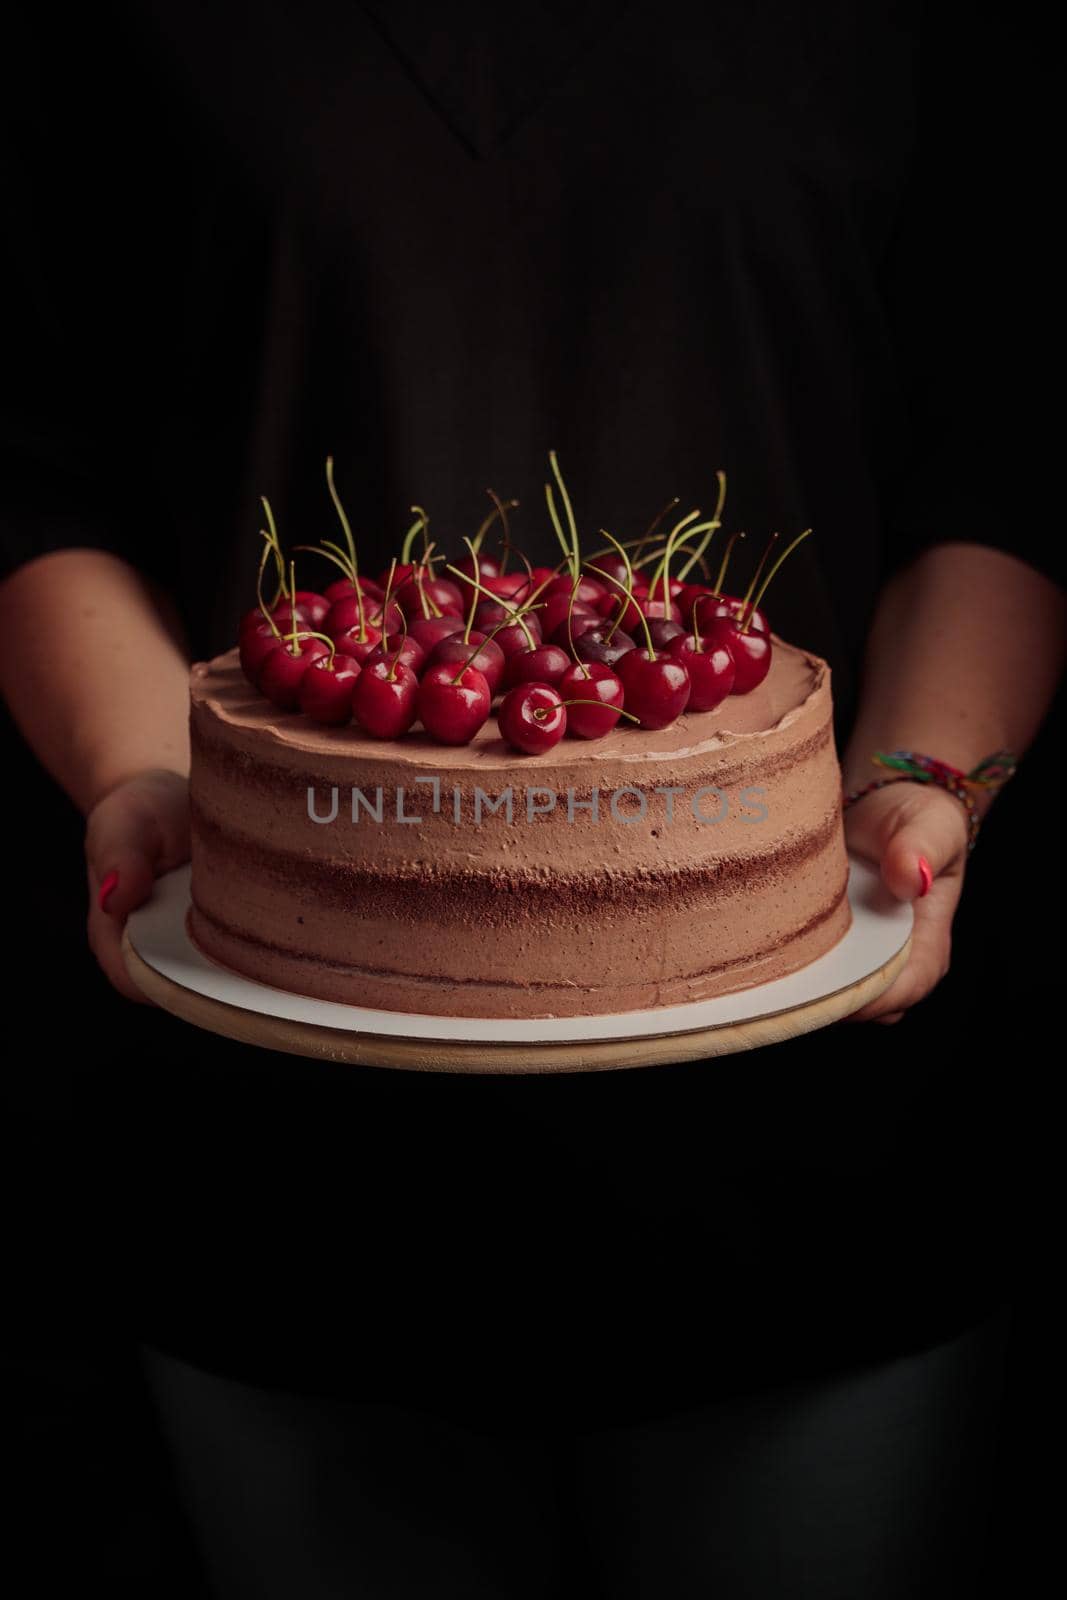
963	659
94	673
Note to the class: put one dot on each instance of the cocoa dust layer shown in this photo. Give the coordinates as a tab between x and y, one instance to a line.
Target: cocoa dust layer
640	870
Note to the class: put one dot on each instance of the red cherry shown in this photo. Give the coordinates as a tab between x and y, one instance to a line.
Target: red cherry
489	660
356	642
313	606
255	646
386	620
431	630
588	592
399	647
452	711
690	595
282	615
555	611
546	664
616	568
282	671
591	681
612	605
344	615
401	574
663	630
710	667
532	717
600	644
725	605
424	596
250	621
384	699
509	585
488	567
751	651
657	686
326	689
653	606
343	587
488	613
573	628
513	638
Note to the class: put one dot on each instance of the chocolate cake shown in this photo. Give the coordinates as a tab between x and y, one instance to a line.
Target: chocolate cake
647	868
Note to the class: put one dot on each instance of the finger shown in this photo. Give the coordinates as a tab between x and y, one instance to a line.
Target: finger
105	942
920	848
915	836
928	958
121	847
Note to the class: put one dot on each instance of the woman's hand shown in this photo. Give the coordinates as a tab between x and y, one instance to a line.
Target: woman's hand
917	836
139	830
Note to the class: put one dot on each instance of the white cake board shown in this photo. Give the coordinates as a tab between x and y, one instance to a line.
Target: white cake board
168	967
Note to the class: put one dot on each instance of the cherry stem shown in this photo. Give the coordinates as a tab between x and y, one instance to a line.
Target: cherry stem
387	597
727	553
663	571
766	582
710	527
409	538
385	623
630	597
557	525
264	558
576	560
276	546
524	558
696	614
292	608
629	574
472	546
505	536
499	510
419	512
514	612
768	547
503	623
604	707
346	527
332	552
653	525
570	623
430	608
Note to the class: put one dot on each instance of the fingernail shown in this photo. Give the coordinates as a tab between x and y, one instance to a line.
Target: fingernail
926	877
107	889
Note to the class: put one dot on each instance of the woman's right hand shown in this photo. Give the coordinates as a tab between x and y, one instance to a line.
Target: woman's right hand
136	832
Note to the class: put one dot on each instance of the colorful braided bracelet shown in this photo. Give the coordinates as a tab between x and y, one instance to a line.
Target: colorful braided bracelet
991	774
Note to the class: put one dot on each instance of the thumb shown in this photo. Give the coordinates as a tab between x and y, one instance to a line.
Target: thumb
921	849
122	848
914	837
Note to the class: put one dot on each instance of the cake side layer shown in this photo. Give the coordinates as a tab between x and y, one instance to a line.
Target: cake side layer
629	880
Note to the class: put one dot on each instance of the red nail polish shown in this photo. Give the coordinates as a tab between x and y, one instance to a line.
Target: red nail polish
926	877
107	889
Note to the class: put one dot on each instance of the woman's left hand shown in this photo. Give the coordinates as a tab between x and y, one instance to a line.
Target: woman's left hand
917	835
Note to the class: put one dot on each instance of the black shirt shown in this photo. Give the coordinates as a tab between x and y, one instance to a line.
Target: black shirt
801	243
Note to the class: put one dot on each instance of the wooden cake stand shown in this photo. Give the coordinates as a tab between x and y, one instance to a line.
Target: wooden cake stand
168	968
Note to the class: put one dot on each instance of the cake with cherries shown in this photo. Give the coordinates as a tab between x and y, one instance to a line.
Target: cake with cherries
644	870
386	810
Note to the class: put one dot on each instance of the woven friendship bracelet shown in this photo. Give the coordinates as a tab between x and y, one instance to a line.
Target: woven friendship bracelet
991	774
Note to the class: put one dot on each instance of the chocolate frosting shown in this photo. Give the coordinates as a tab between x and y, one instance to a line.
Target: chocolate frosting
642	869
